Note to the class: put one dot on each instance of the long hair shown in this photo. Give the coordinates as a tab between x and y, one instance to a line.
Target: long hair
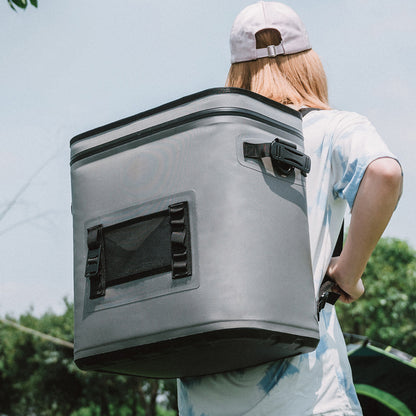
297	79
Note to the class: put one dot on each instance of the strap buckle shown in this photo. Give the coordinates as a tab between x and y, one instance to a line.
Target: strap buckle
326	293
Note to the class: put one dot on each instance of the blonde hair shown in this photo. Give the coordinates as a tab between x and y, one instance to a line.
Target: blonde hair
297	79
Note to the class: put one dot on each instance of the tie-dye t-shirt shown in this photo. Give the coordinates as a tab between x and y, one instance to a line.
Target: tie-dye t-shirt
341	145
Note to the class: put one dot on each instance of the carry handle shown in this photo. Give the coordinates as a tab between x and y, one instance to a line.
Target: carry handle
284	155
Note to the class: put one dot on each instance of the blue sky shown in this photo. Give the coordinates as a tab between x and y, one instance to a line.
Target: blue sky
70	66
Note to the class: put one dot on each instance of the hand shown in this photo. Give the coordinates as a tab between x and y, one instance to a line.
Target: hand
349	288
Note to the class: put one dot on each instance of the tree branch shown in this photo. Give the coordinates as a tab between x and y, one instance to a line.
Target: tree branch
26	185
38	334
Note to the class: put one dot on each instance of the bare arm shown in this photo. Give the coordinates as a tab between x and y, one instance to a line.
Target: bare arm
374	204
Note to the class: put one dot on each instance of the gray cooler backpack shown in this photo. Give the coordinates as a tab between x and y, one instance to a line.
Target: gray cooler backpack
191	245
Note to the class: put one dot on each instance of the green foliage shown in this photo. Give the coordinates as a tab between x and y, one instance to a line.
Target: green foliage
386	313
40	377
21	3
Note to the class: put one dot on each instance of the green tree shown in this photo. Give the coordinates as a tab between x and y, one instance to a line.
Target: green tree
38	376
21	3
386	313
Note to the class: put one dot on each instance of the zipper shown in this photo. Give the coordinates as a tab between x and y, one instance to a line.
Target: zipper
181	121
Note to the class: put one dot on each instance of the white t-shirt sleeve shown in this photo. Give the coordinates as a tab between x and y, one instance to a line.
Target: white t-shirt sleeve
356	144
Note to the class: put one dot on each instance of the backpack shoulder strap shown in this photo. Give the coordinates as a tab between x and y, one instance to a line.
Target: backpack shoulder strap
307	110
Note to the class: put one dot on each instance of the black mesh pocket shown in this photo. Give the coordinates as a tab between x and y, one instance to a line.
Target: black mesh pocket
137	248
140	247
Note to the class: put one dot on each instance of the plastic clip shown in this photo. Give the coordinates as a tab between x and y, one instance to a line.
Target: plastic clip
288	157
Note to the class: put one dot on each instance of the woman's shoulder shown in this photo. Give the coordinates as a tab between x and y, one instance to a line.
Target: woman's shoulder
337	119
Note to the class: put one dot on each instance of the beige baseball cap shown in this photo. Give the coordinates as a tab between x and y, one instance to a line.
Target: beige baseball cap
267	15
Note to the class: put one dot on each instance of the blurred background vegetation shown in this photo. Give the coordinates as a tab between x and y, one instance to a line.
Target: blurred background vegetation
38	376
386	313
22	4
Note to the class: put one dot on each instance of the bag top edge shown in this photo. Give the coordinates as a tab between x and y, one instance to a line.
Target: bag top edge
181	101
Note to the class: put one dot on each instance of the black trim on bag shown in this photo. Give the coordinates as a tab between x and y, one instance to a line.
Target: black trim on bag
221	111
182	101
192	355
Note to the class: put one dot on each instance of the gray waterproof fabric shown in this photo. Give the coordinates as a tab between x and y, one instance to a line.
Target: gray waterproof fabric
190	258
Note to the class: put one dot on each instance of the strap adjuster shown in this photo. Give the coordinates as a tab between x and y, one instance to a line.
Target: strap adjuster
270	51
326	293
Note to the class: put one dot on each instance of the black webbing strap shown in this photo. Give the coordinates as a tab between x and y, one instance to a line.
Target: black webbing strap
326	293
307	110
339	243
284	155
94	269
256	151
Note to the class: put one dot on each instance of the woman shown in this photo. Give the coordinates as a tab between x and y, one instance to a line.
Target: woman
351	168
